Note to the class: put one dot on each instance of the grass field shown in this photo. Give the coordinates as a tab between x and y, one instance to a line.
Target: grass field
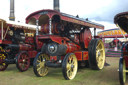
85	76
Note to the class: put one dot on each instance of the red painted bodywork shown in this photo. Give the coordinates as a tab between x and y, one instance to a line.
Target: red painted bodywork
53	58
71	47
25	47
86	37
32	53
5	42
81	55
82	38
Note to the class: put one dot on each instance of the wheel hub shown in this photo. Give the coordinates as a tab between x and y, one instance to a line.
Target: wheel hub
72	66
24	60
99	54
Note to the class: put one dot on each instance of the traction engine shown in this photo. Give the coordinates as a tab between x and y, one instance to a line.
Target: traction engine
67	43
121	20
17	45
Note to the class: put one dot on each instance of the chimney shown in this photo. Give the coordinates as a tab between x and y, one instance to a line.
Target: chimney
12	16
56	5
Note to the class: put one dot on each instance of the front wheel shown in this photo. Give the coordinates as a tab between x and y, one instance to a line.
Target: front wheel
69	66
22	61
39	67
122	71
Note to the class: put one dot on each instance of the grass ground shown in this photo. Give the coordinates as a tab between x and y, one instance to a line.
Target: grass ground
85	76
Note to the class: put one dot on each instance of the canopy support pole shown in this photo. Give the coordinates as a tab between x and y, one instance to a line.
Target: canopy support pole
37	29
2	27
50	26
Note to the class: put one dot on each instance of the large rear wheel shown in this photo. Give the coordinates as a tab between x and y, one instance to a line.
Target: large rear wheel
39	67
22	61
69	66
122	71
96	54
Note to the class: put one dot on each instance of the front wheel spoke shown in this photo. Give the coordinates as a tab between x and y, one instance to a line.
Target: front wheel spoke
69	61
39	68
38	61
72	69
26	65
73	62
97	59
45	70
101	50
3	64
98	44
97	54
38	65
68	73
101	60
97	47
21	65
68	66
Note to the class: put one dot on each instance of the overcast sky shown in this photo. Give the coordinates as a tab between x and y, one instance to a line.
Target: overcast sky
101	11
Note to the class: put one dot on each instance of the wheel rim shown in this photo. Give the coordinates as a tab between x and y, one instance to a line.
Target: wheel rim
42	69
71	66
3	56
100	54
23	61
124	71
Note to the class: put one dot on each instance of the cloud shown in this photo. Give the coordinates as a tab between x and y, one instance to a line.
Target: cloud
108	12
108	25
25	7
102	11
4	9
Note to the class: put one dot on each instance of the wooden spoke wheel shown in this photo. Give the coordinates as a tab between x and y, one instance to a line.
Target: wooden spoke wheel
96	54
39	67
22	61
122	71
69	66
3	65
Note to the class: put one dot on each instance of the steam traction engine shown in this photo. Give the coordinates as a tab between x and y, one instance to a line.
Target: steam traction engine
121	20
17	45
67	43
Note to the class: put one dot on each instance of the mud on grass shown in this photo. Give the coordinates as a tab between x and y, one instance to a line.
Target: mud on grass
86	76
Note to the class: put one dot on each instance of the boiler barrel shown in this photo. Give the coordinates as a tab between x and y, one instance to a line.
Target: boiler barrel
55	49
55	28
18	47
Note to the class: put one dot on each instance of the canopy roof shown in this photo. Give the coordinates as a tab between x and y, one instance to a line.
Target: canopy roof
112	33
65	17
17	25
121	20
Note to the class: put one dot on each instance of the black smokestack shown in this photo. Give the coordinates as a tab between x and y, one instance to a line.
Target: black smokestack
56	5
12	16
